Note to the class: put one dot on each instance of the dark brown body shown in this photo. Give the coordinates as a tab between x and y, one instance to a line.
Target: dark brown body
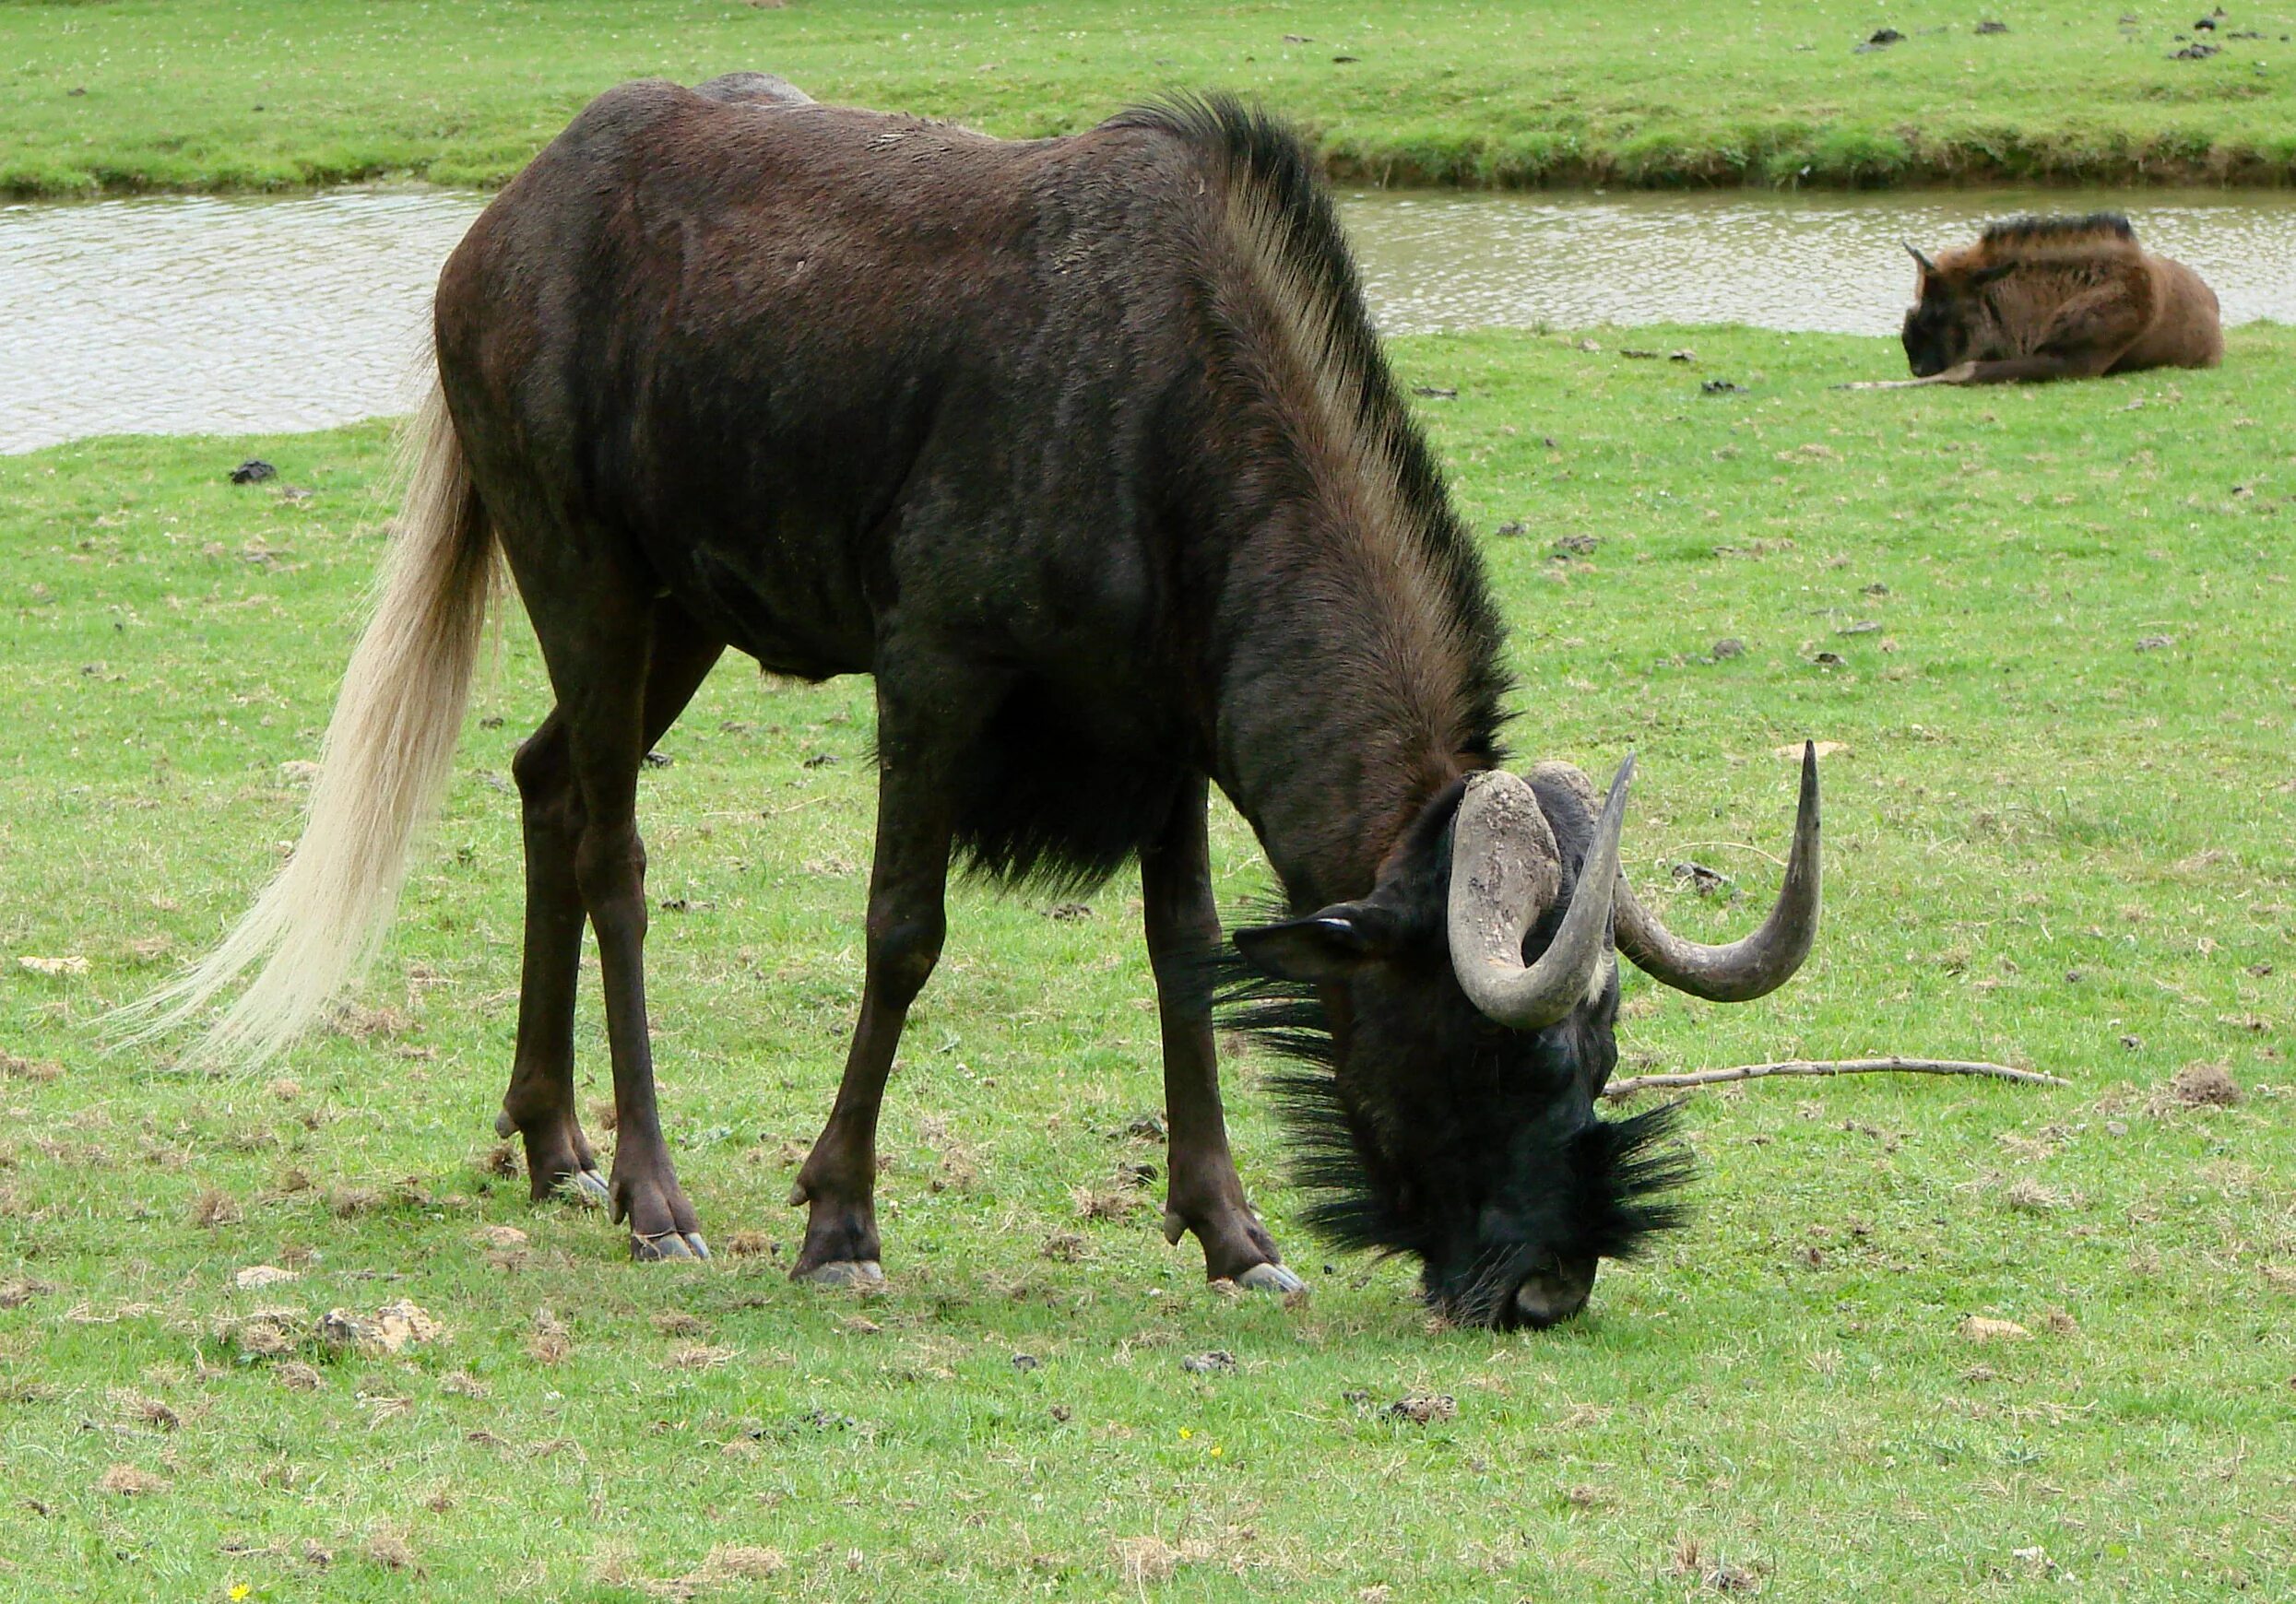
2056	298
860	392
1085	451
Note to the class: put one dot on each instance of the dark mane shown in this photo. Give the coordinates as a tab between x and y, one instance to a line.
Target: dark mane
2012	235
1273	180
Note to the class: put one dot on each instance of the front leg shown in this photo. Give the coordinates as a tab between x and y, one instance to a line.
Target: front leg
2034	370
906	926
1183	929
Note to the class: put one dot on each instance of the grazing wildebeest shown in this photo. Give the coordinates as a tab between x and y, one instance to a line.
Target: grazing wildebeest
1086	450
2055	298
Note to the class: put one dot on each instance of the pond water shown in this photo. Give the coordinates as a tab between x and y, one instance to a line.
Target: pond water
181	314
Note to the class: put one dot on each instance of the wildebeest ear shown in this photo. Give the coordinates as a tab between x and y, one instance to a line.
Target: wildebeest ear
1328	945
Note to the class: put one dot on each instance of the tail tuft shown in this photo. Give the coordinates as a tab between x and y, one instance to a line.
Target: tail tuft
385	760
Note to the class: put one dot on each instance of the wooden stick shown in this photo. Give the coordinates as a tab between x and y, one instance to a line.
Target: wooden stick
1634	1083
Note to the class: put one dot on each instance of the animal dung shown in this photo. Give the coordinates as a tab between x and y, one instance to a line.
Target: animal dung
254	471
1422	1409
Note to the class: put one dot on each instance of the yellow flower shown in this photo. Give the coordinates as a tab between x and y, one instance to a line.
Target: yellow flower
1186	1433
241	1589
1215	1450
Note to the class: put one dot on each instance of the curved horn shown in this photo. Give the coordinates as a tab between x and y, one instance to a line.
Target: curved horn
1505	873
1926	265
1763	962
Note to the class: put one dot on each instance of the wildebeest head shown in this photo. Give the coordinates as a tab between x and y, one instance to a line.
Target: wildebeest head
1951	321
1458	1028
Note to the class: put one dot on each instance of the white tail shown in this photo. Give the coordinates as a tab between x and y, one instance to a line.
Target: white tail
387	752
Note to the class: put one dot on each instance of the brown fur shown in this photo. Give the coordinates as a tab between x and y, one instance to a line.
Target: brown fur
2057	298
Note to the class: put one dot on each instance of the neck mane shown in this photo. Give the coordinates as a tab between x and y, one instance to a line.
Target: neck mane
1361	669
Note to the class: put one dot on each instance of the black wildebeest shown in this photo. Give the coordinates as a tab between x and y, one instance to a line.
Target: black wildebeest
2054	298
1084	448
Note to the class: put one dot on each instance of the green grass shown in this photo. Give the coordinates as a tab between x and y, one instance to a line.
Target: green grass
205	94
2050	843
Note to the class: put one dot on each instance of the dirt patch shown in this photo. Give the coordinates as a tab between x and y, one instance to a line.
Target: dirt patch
15	1068
551	1340
213	1208
1151	1559
2200	1085
131	1482
1979	1329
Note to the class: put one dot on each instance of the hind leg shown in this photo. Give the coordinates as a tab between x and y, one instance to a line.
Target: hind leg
539	1103
597	626
906	921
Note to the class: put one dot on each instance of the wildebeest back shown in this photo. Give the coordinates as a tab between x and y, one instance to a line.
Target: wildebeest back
895	355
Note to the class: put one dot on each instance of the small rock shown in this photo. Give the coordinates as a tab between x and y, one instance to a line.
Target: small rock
254	471
393	1327
1211	1364
1702	879
256	1277
1978	1328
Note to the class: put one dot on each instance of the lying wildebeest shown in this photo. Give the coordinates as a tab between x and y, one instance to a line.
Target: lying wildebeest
1086	450
2055	298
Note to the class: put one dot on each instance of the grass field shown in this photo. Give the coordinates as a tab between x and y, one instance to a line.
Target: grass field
2059	833
204	94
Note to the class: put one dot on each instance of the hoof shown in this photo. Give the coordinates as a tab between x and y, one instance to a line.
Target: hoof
845	1272
670	1244
1270	1277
